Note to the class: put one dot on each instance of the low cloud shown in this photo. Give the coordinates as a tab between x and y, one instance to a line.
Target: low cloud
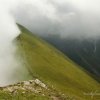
74	18
8	32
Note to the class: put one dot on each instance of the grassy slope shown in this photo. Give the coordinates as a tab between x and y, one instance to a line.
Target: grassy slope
80	51
55	69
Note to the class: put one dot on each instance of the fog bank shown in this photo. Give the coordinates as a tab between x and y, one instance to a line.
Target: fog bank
68	18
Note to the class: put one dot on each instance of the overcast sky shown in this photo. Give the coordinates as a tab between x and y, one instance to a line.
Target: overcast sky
76	18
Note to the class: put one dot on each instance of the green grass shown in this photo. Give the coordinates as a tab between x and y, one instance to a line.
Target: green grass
20	96
53	68
28	95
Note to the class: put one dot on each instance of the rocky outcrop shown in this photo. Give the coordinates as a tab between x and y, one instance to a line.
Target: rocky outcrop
32	86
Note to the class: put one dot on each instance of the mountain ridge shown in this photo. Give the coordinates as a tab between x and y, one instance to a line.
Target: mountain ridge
53	68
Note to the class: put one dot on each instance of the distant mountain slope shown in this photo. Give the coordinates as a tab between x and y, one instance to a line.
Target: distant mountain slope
54	68
84	52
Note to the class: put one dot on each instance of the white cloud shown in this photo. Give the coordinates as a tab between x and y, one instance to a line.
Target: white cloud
66	17
8	31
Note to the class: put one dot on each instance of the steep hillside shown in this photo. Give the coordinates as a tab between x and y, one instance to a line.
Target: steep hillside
84	52
53	67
